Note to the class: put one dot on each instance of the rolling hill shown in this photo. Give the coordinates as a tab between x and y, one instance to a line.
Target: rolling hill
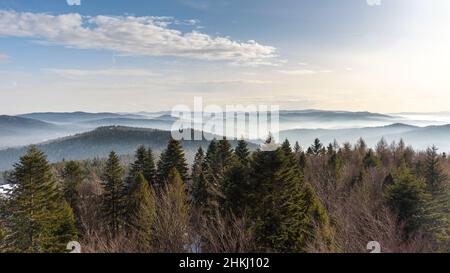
100	142
418	137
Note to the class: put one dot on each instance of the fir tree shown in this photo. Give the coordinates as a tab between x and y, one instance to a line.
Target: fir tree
172	221
213	178
141	213
283	218
199	185
297	149
224	154
408	197
38	219
436	179
149	170
144	163
370	160
317	147
114	197
236	189
242	153
172	157
73	176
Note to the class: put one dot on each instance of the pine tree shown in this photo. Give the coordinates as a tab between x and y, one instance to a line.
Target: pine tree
224	154
149	170
172	157
199	186
73	176
172	221
370	160
38	218
242	153
236	189
144	163
438	208
297	149
408	197
114	197
316	148
213	177
141	212
436	179
284	218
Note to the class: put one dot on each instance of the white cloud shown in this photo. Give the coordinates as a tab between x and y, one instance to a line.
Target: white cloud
222	82
79	73
129	35
298	72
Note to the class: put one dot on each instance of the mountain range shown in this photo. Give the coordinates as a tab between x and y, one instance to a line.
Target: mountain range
81	135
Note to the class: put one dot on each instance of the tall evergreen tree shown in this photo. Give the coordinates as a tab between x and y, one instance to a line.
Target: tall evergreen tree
236	188
141	213
224	154
199	184
144	163
407	196
38	219
172	157
316	148
439	207
297	149
436	179
242	153
114	196
149	170
73	176
172	221
284	219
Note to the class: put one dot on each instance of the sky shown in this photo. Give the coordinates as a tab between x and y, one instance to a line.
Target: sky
126	56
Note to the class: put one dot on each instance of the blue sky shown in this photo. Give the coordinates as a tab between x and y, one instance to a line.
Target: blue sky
151	55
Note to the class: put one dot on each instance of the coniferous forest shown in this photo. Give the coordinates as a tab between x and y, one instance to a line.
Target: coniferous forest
296	199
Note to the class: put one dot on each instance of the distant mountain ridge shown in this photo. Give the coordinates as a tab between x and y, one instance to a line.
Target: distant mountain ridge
419	138
101	141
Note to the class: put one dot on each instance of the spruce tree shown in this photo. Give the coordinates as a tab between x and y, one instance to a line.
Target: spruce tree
371	160
224	154
236	188
73	176
284	218
436	179
172	157
172	221
212	178
297	149
149	170
407	196
438	208
38	219
144	163
316	148
242	153
141	213
199	184
114	196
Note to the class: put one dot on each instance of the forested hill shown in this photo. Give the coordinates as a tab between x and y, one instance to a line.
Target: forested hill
100	142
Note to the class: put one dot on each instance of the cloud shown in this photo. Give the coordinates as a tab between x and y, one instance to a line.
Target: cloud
79	73
130	35
298	72
222	82
373	2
